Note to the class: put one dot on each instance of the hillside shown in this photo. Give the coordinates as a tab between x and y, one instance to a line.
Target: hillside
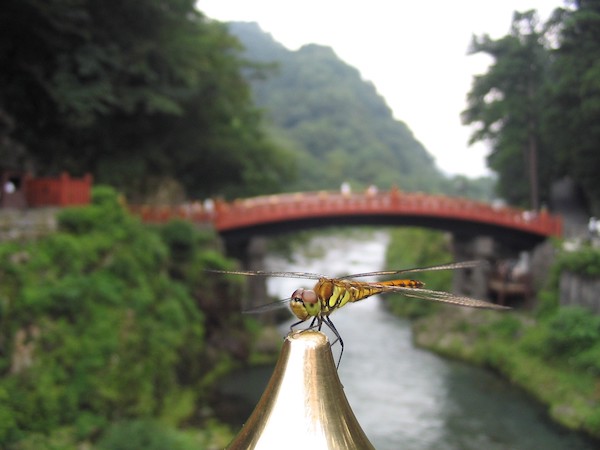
339	127
112	334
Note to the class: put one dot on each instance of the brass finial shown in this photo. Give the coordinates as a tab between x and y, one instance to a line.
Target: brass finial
304	405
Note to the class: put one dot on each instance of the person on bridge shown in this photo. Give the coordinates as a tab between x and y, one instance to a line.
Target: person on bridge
345	189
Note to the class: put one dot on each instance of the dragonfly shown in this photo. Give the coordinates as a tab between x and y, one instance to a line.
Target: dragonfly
330	294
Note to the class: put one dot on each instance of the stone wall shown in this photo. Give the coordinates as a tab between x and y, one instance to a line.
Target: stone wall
26	224
576	290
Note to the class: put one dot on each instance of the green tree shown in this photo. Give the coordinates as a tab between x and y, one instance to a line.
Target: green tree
506	105
135	92
574	116
108	320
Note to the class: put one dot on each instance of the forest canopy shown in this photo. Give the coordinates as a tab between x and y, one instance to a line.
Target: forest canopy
341	127
538	105
133	92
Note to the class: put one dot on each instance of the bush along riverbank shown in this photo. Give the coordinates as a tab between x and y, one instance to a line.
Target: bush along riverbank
112	336
553	353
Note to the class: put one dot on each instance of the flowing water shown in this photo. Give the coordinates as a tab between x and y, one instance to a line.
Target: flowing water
404	397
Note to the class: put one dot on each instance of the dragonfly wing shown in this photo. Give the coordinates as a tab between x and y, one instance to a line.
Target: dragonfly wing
316	276
443	297
263	273
279	304
448	266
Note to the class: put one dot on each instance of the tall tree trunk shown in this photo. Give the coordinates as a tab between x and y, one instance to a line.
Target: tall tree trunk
532	149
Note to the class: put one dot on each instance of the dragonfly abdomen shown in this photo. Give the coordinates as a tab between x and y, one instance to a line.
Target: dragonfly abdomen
403	283
368	289
334	293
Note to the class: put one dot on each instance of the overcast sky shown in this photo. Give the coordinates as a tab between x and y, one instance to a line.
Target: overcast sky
414	52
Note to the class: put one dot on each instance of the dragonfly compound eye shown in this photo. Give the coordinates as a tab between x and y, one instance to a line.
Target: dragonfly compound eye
297	295
309	296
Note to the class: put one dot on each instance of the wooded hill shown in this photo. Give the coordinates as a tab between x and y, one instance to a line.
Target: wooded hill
339	127
161	105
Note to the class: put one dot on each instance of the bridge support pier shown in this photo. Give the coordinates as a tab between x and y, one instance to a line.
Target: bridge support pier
476	282
473	282
251	253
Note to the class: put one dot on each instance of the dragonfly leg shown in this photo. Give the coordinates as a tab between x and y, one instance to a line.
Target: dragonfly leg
320	324
311	326
338	337
320	320
312	323
295	324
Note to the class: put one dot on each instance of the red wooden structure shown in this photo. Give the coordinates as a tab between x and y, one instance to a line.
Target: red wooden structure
285	208
61	191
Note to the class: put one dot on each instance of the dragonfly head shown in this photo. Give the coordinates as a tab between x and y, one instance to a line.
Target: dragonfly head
305	303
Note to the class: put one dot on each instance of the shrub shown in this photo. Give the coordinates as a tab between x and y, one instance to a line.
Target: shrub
104	328
572	331
508	326
180	237
101	329
589	360
584	262
105	212
140	434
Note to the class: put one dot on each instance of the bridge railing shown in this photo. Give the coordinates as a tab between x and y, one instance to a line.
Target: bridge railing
258	210
284	207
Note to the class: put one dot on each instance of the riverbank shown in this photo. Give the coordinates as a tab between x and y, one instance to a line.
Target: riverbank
553	354
510	344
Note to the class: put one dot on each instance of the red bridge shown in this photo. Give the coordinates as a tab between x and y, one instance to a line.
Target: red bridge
241	219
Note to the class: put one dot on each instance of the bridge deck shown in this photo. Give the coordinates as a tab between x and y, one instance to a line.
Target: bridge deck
335	207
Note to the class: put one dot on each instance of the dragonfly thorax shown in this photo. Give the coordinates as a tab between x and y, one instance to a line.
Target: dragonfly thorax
305	303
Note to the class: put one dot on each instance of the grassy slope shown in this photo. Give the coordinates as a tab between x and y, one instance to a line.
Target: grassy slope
502	342
110	334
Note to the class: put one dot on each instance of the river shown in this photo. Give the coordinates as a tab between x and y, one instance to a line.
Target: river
404	397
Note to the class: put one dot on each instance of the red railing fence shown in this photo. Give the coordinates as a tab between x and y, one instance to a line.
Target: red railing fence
61	191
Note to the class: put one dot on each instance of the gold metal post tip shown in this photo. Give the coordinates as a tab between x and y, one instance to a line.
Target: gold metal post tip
304	405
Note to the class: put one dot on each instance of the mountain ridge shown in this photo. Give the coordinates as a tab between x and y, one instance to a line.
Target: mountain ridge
340	127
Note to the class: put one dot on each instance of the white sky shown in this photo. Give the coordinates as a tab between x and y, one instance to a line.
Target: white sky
414	52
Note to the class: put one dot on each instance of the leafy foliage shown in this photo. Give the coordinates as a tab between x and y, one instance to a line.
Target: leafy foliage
585	261
134	92
96	325
506	104
574	109
141	434
538	104
573	331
